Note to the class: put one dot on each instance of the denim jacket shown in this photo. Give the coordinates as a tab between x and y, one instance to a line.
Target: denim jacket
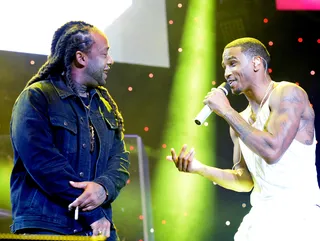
50	136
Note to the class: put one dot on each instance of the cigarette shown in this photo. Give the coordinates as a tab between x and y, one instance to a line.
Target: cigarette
76	213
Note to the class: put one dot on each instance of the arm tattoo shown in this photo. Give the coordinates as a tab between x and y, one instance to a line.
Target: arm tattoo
237	123
283	110
295	97
246	132
308	126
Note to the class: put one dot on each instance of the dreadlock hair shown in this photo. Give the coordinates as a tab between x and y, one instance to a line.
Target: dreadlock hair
71	37
68	39
105	93
251	47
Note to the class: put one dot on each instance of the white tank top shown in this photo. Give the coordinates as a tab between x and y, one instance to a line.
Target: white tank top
292	180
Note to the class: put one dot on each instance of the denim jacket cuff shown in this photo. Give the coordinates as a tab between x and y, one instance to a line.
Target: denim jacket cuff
108	186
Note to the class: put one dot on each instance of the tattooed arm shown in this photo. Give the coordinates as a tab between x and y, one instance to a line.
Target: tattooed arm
288	104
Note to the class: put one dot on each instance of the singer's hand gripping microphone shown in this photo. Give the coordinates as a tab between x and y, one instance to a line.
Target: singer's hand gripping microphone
206	111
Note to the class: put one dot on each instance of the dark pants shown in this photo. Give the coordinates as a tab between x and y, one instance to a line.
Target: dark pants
113	235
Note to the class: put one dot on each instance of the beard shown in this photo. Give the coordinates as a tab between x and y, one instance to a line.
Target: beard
96	74
237	92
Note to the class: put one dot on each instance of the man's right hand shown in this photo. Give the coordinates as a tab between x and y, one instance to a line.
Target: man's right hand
185	162
101	227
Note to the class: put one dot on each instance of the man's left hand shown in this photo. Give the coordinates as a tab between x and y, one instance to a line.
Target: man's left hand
93	196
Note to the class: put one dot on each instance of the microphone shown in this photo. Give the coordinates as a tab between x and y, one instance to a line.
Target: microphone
206	111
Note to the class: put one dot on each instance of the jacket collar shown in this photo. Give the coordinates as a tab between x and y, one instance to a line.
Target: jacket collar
60	86
63	90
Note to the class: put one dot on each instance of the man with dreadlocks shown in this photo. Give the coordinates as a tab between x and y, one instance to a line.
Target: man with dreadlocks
67	136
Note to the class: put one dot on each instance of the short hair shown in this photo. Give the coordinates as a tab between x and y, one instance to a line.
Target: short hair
251	47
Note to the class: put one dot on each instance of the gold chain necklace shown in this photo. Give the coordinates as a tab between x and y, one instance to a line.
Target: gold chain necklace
92	137
252	118
91	128
265	95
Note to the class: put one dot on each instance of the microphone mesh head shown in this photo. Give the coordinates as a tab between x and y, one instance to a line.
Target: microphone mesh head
225	87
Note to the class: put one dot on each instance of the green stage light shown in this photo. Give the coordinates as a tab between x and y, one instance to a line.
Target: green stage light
5	172
184	203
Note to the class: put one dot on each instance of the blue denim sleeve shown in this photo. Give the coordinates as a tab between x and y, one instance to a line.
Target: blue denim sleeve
33	143
116	175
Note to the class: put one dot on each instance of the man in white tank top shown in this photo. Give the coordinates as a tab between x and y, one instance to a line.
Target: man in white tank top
274	148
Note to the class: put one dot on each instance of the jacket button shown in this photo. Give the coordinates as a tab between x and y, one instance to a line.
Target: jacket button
75	230
81	174
65	123
81	119
84	145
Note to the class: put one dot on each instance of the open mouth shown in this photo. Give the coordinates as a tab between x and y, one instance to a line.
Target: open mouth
106	70
230	82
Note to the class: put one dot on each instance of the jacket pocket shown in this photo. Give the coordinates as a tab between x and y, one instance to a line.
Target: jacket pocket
63	122
112	130
64	130
111	123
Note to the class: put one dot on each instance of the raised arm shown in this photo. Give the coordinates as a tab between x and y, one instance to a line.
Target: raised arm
287	104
